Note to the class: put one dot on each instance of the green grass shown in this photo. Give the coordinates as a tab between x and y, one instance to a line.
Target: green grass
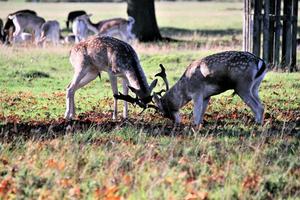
145	157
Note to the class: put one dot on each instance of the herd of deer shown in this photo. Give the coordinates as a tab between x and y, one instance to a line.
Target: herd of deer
241	71
42	31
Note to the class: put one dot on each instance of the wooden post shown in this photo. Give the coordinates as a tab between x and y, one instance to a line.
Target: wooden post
246	25
277	32
294	35
257	27
287	35
266	42
271	30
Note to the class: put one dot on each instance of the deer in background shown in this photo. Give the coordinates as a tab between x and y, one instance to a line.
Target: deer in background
50	30
241	71
24	21
118	59
80	30
73	15
9	26
116	27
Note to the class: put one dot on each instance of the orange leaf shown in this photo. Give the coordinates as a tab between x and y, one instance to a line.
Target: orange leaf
75	191
65	182
127	179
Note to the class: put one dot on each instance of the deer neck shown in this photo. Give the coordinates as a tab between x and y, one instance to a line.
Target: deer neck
137	79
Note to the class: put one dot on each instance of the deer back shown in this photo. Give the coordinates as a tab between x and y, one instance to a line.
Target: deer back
112	55
28	20
223	71
106	25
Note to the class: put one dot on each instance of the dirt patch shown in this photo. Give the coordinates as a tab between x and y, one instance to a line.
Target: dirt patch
103	122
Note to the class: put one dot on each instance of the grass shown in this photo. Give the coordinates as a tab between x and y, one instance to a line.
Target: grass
145	157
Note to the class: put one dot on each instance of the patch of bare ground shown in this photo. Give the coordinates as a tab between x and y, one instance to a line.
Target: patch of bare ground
216	124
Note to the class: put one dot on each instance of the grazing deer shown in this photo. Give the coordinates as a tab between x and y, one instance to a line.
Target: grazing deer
241	71
118	59
9	26
72	16
117	27
24	21
50	30
80	30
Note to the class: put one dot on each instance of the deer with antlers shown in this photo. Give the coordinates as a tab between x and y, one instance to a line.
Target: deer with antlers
96	54
241	71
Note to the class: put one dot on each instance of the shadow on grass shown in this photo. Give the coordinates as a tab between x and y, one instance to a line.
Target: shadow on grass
172	31
45	130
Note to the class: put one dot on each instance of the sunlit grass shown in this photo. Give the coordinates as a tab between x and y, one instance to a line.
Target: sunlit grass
144	157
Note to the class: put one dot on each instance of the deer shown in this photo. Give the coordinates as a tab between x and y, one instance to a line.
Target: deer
103	53
241	71
24	21
9	26
112	27
73	15
50	30
80	30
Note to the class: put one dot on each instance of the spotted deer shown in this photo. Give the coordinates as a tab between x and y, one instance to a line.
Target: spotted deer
96	54
241	71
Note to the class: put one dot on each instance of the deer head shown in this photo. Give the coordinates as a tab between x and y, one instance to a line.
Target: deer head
144	102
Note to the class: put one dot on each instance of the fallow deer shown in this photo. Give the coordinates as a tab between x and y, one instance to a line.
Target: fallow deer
72	16
241	71
118	59
50	30
80	30
9	26
116	27
24	21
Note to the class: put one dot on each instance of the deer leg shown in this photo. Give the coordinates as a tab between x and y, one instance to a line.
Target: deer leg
198	109
204	107
114	86
80	79
17	33
125	92
251	101
254	92
37	35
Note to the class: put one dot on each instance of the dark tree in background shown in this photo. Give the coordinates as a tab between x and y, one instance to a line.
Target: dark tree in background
145	27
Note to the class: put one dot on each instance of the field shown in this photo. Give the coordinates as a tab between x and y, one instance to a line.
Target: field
42	156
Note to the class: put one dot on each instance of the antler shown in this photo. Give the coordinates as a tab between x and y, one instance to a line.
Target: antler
130	99
163	75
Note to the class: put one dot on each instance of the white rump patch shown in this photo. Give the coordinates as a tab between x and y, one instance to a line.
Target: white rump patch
260	64
204	70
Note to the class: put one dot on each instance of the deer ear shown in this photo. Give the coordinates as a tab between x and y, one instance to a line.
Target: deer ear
152	85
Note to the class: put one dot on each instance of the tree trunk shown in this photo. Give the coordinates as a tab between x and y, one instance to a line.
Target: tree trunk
145	27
